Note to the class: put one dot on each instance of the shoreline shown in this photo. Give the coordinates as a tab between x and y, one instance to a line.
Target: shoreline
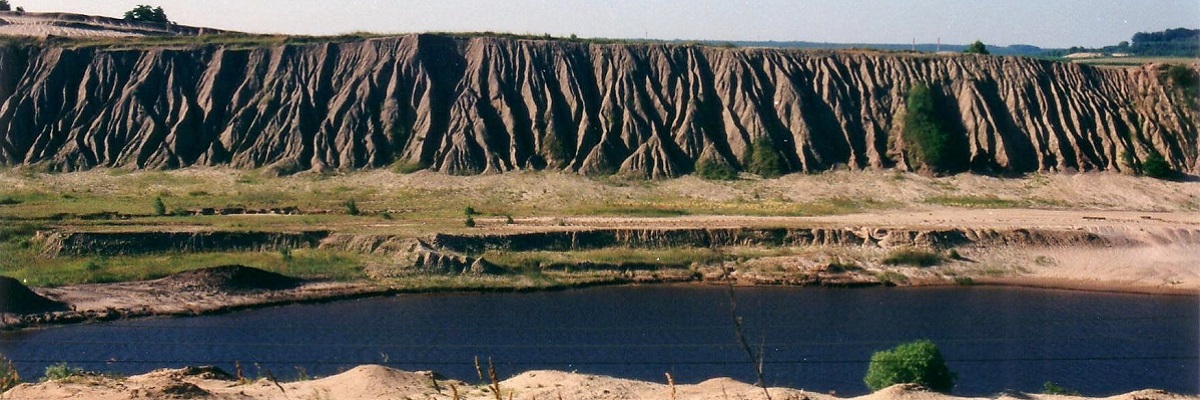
328	292
380	382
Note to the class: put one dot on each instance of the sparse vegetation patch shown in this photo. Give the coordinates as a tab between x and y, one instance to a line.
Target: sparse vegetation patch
715	169
913	256
8	374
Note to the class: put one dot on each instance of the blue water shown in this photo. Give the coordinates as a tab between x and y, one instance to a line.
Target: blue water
815	339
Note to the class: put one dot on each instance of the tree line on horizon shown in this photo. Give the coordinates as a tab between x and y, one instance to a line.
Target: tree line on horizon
1177	42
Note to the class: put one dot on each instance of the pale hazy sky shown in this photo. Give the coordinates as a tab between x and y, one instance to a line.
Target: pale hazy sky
1046	23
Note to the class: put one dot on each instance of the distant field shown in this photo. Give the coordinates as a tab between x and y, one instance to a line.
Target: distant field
1132	61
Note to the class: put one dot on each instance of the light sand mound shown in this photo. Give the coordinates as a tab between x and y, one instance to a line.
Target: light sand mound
911	392
372	382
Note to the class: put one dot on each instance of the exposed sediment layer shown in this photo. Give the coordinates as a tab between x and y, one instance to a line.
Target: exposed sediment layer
482	105
435	249
719	237
134	243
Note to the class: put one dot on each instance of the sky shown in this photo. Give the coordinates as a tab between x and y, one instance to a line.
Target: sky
1044	23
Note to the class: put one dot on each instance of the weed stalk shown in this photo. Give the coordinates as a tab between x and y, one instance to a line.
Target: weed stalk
755	360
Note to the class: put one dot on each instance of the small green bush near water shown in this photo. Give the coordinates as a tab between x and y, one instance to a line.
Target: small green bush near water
8	374
918	362
60	371
1053	388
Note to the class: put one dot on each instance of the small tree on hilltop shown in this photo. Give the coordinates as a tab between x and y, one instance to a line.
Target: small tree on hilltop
145	13
4	6
917	362
977	48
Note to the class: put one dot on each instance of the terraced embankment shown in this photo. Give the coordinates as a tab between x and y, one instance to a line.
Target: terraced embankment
1120	251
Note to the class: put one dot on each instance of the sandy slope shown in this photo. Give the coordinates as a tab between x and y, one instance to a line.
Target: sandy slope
372	382
76	25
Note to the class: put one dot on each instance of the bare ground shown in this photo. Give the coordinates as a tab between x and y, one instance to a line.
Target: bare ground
372	382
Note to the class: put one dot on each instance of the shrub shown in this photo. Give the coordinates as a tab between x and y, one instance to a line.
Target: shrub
160	209
469	211
8	374
912	256
930	141
713	169
508	219
1185	80
351	207
953	255
145	13
918	362
470	222
5	6
1053	388
1127	161
891	278
402	167
59	371
765	161
1156	166
840	266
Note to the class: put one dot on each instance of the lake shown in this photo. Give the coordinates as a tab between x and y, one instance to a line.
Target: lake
811	338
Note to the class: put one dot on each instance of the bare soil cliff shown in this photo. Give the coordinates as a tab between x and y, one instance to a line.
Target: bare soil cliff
483	105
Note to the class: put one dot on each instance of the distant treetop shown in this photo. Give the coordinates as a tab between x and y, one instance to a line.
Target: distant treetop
4	6
145	13
977	48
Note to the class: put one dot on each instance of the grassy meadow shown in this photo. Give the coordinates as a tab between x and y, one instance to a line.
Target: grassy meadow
424	203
